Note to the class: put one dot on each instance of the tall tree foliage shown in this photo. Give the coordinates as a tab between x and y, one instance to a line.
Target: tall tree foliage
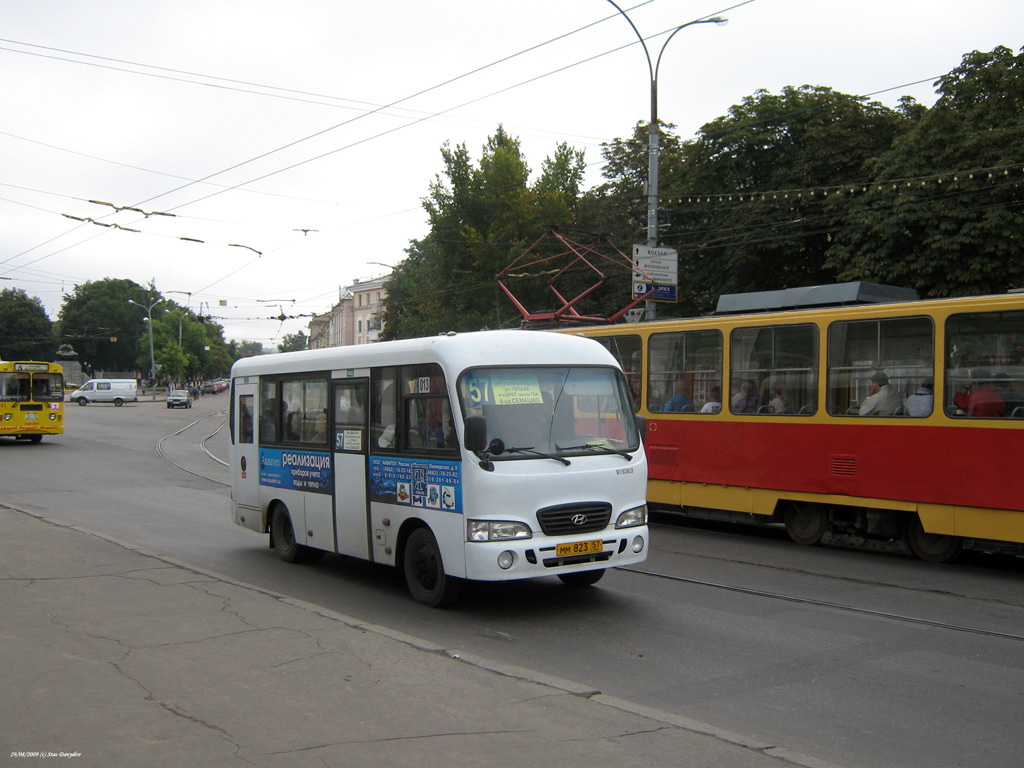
105	330
26	333
481	218
945	210
111	334
747	208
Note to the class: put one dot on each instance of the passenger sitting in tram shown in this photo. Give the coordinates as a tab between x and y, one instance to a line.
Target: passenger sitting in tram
920	403
714	403
749	401
979	397
778	402
883	399
1013	399
679	401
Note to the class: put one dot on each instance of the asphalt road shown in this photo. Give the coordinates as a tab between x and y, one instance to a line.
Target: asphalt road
855	658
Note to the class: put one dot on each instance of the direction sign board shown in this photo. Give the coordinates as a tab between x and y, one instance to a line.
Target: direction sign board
660	273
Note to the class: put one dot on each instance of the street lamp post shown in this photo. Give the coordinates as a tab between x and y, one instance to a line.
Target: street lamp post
152	358
653	131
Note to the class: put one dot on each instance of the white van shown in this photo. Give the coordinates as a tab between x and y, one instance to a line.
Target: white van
116	391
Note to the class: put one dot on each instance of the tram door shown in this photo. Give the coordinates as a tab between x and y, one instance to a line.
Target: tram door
351	511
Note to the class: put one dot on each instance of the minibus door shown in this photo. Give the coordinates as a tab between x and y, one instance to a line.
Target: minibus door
351	512
246	470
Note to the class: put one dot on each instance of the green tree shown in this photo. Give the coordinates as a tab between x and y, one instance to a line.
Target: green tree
26	333
293	342
943	212
173	362
746	208
481	219
238	350
105	330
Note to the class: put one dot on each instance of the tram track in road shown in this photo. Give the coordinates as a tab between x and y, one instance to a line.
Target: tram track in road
202	444
827	604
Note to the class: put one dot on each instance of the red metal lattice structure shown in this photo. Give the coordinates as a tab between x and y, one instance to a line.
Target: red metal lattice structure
568	258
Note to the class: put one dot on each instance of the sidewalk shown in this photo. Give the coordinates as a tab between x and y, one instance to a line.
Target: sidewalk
118	657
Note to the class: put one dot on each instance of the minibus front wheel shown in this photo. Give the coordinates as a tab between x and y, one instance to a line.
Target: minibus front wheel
424	571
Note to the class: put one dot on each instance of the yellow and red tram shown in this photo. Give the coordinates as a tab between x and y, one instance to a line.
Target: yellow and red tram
772	417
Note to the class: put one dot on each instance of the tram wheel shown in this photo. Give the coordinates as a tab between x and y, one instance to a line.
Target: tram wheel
424	571
806	523
581	578
931	547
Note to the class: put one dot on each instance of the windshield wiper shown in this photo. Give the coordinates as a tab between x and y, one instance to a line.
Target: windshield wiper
497	447
533	452
596	447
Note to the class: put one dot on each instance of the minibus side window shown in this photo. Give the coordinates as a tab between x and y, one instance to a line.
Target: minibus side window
383	409
427	423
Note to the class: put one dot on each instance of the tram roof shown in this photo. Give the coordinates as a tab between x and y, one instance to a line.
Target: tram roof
839	294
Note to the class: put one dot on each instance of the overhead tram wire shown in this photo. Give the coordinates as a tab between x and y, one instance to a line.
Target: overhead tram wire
347	122
373	112
425	117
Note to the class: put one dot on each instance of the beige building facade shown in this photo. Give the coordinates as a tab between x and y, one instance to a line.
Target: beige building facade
357	318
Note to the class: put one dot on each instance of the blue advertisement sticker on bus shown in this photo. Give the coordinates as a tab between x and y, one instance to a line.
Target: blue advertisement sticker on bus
426	483
296	470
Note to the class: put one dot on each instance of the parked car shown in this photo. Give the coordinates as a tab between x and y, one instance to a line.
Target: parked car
179	398
209	388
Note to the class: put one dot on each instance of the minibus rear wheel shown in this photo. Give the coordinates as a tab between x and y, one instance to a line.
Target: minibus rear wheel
288	549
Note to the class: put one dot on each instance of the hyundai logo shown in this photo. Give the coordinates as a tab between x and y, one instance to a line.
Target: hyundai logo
579	519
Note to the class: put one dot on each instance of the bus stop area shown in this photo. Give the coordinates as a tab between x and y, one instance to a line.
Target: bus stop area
115	656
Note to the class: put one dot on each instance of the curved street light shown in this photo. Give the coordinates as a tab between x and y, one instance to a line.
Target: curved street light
152	358
653	131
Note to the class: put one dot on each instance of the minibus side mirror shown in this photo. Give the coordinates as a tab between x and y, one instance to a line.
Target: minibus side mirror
641	424
476	433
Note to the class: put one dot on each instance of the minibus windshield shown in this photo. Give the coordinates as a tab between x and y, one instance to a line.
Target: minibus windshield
551	411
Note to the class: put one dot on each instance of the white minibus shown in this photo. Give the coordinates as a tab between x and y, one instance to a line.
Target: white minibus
116	391
487	456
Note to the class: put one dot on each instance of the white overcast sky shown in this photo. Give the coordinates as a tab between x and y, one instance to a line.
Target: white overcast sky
253	119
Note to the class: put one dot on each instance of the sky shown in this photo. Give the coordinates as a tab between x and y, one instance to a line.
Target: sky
276	152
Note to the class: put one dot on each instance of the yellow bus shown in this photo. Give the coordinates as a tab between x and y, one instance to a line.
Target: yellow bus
31	400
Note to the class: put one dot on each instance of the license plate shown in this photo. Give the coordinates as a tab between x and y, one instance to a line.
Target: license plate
579	548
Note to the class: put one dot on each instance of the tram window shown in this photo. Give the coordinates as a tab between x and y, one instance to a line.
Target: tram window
774	370
985	365
628	352
684	371
903	348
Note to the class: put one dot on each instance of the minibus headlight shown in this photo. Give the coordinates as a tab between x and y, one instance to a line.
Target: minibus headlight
632	517
497	530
